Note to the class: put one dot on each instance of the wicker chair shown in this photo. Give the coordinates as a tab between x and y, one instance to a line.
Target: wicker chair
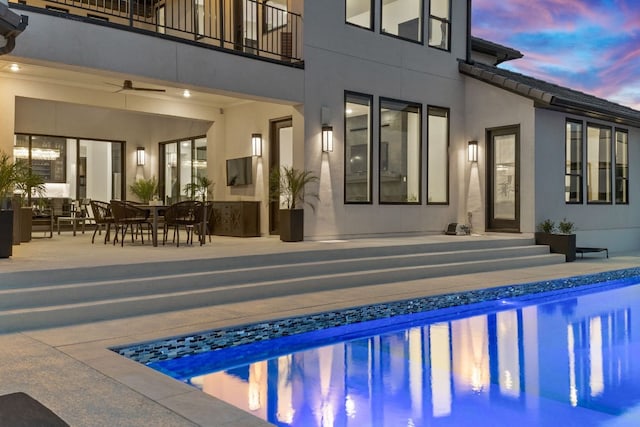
183	214
126	214
103	218
203	223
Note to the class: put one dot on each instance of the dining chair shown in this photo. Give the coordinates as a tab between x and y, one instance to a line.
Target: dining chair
103	218
181	214
127	215
204	216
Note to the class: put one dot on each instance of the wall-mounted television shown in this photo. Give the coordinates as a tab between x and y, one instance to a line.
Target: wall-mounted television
239	171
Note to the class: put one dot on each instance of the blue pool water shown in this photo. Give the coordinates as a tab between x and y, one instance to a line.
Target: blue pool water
567	358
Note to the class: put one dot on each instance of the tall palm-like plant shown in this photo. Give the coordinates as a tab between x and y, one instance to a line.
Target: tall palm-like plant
28	183
200	187
145	189
288	184
8	175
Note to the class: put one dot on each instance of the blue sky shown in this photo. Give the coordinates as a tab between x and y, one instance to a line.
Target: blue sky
588	45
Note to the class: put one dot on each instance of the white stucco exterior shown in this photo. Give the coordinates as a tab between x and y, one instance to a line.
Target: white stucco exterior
237	95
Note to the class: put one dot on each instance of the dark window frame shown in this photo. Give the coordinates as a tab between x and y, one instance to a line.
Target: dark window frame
162	161
448	169
410	104
371	20
611	160
395	36
370	143
580	175
617	178
441	20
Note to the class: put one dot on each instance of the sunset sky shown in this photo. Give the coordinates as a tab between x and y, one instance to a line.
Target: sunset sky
588	45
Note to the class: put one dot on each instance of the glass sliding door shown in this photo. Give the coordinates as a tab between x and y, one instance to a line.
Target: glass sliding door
503	179
182	162
72	168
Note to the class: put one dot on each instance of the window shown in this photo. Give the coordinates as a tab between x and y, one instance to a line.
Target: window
440	24
274	15
598	164
357	153
360	13
399	158
182	162
438	156
402	18
622	167
573	163
74	168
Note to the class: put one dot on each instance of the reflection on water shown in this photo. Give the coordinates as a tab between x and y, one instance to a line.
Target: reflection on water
573	362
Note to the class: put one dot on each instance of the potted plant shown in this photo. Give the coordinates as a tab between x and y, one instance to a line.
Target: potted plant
288	186
8	179
144	189
560	239
28	185
200	188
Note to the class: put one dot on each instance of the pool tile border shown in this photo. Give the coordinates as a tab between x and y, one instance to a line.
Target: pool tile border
196	343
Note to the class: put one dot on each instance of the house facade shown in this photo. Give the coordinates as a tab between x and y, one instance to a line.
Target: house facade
405	91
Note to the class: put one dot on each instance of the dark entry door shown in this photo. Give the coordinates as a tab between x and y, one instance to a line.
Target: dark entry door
279	152
503	179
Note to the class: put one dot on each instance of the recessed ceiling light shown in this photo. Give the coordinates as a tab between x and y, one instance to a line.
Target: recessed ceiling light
14	67
186	93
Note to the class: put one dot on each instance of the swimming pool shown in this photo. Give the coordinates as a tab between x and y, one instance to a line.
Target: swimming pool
569	357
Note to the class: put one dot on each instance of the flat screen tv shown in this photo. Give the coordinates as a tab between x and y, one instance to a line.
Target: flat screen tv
239	171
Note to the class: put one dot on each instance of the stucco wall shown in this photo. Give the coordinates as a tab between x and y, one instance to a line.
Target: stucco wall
341	58
489	107
80	45
610	225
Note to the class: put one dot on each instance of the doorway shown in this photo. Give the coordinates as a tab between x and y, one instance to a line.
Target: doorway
280	154
503	179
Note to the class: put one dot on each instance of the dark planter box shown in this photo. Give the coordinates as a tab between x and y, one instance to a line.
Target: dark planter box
6	233
291	225
26	223
559	244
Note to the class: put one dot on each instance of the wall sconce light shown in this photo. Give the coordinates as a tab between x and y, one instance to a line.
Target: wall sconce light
140	156
327	138
473	151
256	144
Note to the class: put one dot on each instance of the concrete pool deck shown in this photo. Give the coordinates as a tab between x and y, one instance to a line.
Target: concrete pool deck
71	371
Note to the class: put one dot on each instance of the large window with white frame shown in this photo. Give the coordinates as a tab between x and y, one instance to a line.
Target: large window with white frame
622	167
402	18
357	151
359	13
399	151
573	162
438	155
598	164
440	24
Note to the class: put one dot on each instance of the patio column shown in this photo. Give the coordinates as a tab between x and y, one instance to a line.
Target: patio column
7	116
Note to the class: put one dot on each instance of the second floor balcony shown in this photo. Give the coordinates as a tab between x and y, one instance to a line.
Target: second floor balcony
268	29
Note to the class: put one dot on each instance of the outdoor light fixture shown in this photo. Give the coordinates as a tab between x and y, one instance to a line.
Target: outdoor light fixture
327	138
256	144
140	156
473	151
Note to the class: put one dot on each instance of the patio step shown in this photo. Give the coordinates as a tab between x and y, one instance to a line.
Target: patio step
50	301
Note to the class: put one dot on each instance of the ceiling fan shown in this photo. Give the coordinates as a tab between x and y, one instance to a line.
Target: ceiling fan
128	85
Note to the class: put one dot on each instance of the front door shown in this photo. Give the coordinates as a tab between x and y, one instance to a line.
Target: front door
280	154
503	179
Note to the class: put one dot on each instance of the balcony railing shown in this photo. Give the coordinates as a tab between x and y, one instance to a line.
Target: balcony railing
265	29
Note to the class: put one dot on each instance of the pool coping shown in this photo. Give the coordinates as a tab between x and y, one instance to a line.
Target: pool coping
148	352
